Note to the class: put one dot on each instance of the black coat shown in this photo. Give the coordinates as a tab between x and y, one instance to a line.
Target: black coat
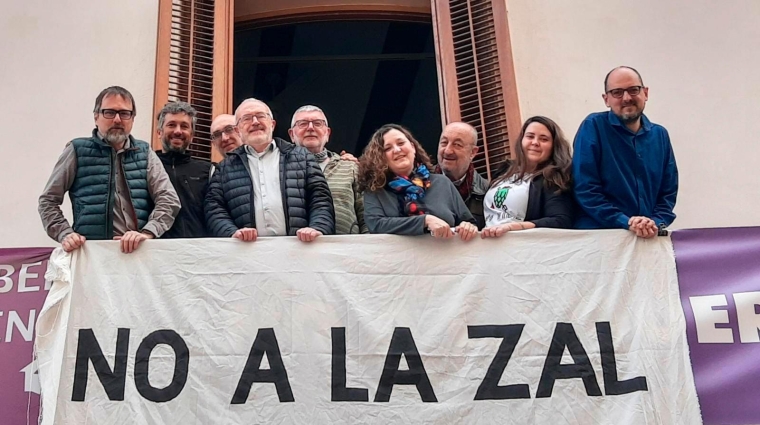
190	179
548	207
306	198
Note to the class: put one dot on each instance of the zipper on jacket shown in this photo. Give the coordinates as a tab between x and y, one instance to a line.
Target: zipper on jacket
109	196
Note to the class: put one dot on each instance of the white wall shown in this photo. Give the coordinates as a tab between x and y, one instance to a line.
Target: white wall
701	61
56	57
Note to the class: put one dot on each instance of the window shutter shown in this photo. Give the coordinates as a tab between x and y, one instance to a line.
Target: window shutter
194	63
476	74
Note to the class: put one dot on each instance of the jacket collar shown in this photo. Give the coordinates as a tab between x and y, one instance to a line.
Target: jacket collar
174	157
646	125
282	145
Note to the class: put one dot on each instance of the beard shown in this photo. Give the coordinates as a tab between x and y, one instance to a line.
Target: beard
258	139
631	117
166	141
116	136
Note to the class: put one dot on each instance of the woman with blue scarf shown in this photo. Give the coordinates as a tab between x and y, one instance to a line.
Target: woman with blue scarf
402	197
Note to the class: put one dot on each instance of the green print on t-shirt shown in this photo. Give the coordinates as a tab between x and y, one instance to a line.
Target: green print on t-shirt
500	196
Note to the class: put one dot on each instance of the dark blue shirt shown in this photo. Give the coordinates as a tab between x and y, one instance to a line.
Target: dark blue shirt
618	174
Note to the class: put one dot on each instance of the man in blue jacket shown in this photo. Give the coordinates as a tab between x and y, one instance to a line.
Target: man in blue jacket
267	186
624	170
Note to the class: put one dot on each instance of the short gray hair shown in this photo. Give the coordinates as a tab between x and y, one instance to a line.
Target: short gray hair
177	108
253	100
307	108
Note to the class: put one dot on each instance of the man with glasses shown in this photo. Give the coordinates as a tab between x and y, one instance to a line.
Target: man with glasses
309	129
190	176
117	185
269	187
624	169
225	136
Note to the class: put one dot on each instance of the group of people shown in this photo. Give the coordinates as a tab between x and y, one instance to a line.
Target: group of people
621	173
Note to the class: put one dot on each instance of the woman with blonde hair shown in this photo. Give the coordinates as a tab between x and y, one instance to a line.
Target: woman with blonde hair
534	189
402	197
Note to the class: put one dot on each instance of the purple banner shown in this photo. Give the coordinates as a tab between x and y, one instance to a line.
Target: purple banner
22	293
719	279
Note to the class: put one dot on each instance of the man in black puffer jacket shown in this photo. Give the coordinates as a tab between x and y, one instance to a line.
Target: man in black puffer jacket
267	187
176	127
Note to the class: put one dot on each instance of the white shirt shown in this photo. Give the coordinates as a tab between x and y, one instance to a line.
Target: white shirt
507	202
267	194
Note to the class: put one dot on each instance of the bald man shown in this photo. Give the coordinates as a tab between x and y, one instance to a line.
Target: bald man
624	170
457	148
225	136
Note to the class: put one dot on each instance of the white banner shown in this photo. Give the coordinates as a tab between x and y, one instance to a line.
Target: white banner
541	326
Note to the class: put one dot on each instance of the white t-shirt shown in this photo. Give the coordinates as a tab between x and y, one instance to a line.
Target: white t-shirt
507	202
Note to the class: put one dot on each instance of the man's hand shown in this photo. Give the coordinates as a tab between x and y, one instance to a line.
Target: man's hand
643	227
246	234
72	241
467	230
345	156
132	239
307	234
438	228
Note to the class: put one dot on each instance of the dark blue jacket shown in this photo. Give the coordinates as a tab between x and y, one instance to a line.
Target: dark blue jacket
618	174
306	198
93	192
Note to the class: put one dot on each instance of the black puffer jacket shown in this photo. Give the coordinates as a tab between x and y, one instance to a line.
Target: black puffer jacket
306	198
190	179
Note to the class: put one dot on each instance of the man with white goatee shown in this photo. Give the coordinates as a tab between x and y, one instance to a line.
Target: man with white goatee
267	186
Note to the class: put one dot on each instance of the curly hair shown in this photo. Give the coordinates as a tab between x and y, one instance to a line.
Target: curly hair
374	172
556	171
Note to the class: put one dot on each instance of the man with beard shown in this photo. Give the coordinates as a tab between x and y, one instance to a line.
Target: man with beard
117	185
267	187
176	127
457	148
309	129
624	170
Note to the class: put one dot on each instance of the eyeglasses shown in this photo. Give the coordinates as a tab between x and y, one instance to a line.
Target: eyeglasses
261	116
302	124
632	91
228	130
111	113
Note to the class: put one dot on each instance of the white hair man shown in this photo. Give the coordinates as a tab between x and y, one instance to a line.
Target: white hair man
309	129
268	188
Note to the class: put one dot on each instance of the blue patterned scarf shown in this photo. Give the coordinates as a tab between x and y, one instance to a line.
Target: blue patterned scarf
411	190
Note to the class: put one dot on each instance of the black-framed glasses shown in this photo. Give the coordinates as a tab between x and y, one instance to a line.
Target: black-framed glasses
228	130
632	91
111	113
261	116
302	124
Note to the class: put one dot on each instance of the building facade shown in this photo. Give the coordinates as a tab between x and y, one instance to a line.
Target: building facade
496	62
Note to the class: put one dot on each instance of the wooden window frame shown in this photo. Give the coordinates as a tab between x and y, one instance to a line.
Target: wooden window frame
221	70
447	72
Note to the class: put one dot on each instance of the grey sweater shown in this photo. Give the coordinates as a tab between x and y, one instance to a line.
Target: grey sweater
382	209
